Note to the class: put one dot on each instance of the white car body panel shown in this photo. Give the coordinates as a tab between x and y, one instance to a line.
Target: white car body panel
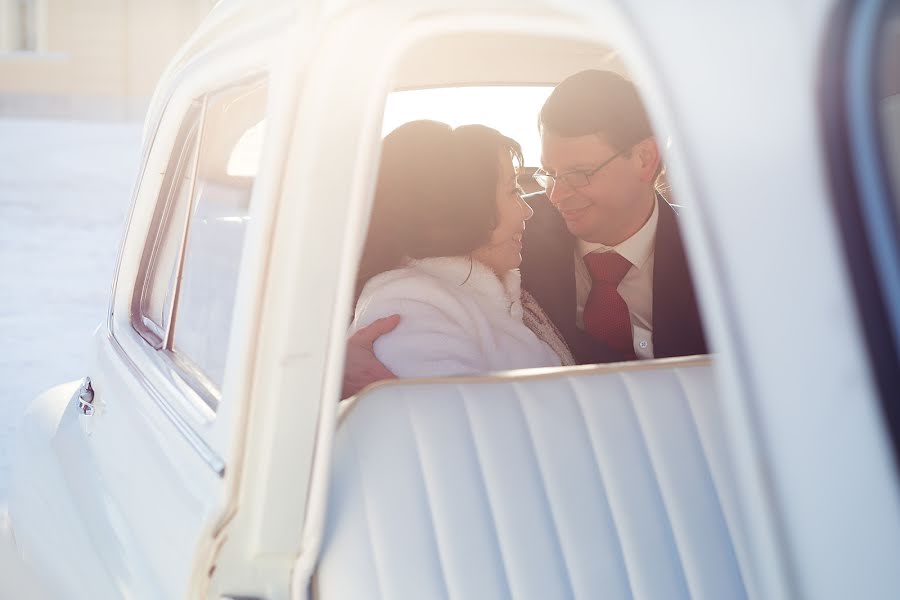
235	501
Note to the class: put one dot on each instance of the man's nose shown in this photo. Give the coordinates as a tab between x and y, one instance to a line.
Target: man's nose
557	193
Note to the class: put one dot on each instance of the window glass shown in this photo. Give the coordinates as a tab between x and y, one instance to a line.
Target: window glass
19	26
229	155
25	14
156	301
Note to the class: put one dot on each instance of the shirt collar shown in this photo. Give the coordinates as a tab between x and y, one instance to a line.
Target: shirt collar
636	249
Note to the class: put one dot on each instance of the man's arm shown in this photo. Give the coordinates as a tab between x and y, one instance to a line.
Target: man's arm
361	367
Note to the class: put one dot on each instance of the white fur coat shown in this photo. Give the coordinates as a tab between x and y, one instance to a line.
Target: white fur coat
457	318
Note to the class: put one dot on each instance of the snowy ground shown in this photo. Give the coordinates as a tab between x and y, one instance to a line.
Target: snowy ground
65	189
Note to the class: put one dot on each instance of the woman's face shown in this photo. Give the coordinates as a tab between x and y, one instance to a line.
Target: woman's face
503	251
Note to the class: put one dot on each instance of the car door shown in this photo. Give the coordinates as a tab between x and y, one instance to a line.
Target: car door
140	450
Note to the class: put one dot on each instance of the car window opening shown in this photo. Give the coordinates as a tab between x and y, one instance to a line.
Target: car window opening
548	268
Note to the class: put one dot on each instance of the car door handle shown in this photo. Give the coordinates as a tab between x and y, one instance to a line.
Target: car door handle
86	397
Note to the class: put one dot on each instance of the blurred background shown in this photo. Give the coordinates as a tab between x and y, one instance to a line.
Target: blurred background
88	59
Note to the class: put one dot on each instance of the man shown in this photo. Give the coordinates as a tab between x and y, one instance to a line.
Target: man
602	254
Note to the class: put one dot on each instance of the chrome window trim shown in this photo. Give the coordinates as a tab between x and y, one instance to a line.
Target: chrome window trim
185	234
200	446
209	456
156	334
162	339
151	331
191	375
194	440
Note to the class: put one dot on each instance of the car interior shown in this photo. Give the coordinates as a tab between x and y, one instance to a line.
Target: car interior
592	481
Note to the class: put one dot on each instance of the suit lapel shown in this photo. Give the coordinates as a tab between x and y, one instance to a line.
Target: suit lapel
677	330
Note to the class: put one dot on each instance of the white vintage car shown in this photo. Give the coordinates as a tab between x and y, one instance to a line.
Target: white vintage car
206	455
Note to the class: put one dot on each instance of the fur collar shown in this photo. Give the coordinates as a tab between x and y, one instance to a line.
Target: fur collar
477	278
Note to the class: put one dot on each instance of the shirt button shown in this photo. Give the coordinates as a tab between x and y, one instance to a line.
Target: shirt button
643	344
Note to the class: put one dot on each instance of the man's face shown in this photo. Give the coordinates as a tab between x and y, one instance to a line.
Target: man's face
617	198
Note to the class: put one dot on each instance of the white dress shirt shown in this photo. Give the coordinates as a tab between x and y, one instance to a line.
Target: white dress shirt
636	288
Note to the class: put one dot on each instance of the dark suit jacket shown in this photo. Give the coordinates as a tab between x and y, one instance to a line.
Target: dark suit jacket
548	273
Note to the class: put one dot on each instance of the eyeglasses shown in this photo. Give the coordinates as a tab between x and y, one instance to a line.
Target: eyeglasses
574	179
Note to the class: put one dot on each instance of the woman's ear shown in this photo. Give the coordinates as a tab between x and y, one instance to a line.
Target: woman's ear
648	159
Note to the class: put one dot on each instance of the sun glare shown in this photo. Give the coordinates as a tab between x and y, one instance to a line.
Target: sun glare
512	110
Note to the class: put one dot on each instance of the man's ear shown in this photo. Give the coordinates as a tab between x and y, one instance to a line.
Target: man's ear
648	158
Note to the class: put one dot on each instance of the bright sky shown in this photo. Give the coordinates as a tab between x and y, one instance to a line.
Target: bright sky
512	110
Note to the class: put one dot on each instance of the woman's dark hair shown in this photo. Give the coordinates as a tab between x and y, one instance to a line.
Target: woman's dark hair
435	195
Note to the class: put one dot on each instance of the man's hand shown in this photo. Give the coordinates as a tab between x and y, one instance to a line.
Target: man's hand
361	368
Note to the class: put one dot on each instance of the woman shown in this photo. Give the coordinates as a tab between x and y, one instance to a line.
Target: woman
443	248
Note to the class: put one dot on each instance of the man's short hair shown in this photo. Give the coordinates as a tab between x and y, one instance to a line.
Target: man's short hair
601	102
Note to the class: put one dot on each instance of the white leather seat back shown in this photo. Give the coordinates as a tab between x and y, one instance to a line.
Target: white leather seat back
596	484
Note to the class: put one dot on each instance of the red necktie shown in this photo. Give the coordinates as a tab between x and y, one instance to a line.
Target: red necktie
606	315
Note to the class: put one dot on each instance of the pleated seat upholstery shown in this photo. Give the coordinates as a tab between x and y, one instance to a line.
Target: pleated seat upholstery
605	483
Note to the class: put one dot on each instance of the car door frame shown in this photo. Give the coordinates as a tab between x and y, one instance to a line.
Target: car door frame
179	446
303	358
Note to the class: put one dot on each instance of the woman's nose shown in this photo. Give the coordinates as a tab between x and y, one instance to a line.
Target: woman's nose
527	211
